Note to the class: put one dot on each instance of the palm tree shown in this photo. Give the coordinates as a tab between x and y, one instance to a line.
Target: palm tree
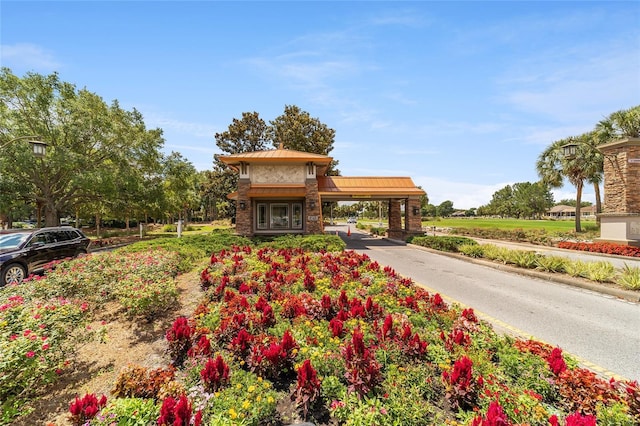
619	125
553	166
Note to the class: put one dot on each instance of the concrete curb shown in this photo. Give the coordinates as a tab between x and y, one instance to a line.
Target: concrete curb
628	295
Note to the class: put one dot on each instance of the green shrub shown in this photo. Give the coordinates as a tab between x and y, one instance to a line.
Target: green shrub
146	298
524	259
128	412
442	243
576	268
37	335
330	243
378	230
629	277
193	247
472	250
500	254
600	271
551	263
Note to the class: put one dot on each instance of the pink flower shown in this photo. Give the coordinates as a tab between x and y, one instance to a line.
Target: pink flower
30	354
45	346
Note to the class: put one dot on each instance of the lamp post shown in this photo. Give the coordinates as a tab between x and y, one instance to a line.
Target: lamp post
39	150
39	147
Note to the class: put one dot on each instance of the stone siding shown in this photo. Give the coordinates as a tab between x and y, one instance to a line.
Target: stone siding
244	218
622	180
314	226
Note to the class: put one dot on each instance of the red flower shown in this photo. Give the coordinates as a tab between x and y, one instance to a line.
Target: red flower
495	417
578	419
215	374
556	361
86	408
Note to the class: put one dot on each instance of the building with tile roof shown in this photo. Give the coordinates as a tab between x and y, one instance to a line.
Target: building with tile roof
281	191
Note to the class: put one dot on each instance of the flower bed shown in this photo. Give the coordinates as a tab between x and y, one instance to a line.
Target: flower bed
334	338
42	320
608	248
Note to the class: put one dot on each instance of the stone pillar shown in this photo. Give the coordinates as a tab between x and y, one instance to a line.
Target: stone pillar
413	217
620	220
395	230
313	208
244	217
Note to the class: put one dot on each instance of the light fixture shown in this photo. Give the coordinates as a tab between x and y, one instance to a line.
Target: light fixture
312	204
39	148
243	205
569	150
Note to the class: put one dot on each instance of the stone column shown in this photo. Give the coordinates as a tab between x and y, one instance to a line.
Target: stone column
244	217
620	220
395	230
413	217
313	208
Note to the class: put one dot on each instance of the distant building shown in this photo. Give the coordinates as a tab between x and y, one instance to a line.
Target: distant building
562	211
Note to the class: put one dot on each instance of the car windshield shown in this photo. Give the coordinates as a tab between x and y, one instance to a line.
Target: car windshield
11	241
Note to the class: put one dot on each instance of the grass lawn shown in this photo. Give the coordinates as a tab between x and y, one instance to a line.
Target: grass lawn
547	225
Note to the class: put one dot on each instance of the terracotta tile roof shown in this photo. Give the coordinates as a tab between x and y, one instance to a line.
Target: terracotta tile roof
368	186
275	155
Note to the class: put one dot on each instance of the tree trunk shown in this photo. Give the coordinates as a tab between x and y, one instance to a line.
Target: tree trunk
578	202
51	215
596	188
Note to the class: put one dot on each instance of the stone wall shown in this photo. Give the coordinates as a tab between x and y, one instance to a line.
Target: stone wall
313	214
622	178
244	219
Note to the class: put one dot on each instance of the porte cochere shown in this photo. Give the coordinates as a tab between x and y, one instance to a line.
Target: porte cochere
281	191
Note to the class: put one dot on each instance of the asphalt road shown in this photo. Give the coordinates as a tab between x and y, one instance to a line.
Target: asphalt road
602	331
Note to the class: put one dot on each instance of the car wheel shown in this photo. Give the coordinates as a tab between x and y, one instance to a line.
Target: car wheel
13	274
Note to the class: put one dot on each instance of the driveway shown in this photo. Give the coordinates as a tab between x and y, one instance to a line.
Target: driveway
601	331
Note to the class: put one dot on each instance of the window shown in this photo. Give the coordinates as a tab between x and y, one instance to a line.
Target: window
279	216
262	216
296	217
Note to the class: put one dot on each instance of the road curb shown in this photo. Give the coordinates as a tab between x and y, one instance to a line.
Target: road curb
619	293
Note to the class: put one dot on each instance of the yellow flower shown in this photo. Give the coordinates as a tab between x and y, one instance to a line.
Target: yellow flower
246	404
270	400
232	413
217	394
259	379
307	323
239	386
251	389
258	398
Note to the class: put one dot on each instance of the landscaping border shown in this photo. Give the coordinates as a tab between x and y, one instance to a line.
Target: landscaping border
628	295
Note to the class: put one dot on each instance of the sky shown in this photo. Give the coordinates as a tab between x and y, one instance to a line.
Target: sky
462	96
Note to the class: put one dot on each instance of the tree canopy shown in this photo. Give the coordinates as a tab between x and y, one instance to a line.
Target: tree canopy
585	165
101	159
521	200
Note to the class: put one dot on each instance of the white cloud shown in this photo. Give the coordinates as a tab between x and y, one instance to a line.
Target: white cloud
29	56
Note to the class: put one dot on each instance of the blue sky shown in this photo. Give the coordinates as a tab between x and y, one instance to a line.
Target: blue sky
461	96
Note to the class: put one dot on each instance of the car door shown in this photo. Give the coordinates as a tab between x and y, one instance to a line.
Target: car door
39	250
63	246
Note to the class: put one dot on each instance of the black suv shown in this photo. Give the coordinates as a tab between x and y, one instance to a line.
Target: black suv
25	251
